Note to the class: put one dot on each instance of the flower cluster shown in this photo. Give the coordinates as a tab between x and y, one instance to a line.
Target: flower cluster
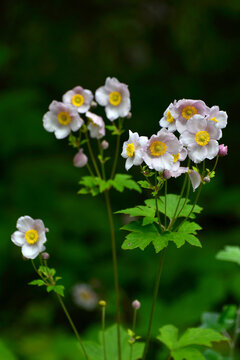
199	128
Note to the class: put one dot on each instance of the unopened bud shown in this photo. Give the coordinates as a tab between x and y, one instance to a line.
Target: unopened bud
136	304
93	104
80	159
206	179
223	150
45	256
102	303
104	145
166	174
129	115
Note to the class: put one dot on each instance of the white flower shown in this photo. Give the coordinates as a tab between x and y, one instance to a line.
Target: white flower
181	156
194	176
159	150
115	97
61	119
201	139
96	125
184	109
31	236
80	98
218	117
84	296
133	149
168	121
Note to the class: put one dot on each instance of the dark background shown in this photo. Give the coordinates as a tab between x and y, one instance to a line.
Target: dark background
164	50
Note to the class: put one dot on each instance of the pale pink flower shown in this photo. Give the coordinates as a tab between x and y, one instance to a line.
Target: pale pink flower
96	125
223	150
168	121
80	98
219	118
133	149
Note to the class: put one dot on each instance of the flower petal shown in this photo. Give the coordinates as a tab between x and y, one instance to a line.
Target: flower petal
25	223
18	238
102	96
212	148
196	123
31	251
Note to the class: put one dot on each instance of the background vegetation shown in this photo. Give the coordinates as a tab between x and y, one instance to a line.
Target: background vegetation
164	50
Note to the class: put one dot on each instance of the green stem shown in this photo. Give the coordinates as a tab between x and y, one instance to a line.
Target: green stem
92	155
103	332
215	165
165	214
186	199
72	325
133	328
101	161
155	294
235	336
90	170
115	268
117	150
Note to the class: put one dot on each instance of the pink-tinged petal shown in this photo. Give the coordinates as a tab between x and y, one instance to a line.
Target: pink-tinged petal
223	150
137	160
196	123
124	107
128	163
195	179
50	121
143	141
111	112
197	153
212	148
183	154
39	226
18	238
181	125
62	132
67	97
187	138
222	119
214	132
25	223
76	123
102	96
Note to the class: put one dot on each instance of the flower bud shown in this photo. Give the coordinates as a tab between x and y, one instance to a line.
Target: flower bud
129	115
102	303
166	174
104	144
223	150
93	104
136	304
206	179
80	159
45	256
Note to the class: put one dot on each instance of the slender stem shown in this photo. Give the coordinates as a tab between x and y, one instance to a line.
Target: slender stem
115	268
92	155
90	170
103	332
215	165
117	150
165	214
235	336
186	199
72	325
101	161
156	204
155	294
133	328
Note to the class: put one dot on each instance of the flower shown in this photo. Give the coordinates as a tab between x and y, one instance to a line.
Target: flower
104	145
136	304
185	109
201	139
168	121
61	119
80	98
194	176
218	117
115	97
133	149
84	296
80	159
159	150
181	156
96	125
223	150
31	235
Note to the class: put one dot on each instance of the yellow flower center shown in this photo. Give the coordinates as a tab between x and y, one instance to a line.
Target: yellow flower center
115	98
214	119
64	118
130	149
170	118
202	138
31	236
77	100
158	148
86	295
188	112
176	157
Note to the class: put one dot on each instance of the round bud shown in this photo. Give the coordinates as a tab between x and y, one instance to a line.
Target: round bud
45	256
80	159
223	150
136	304
129	115
104	144
102	303
206	179
166	174
93	104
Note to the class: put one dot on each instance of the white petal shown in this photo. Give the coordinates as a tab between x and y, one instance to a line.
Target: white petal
76	123
128	163
124	107
138	158
181	125
30	251
111	112
18	238
183	154
102	96
25	223
50	121
214	132
195	179
196	123
212	148
62	132
187	138
197	153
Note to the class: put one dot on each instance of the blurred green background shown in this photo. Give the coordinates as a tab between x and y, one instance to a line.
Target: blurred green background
164	50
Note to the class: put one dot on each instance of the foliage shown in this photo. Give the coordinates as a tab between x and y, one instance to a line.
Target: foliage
49	280
220	321
230	253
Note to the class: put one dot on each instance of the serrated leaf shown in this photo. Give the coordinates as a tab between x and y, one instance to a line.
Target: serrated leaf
37	282
230	253
168	335
140	210
50	288
149	220
122	181
59	289
187	354
186	232
199	336
145	184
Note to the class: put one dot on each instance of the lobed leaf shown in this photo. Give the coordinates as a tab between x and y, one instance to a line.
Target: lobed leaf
230	253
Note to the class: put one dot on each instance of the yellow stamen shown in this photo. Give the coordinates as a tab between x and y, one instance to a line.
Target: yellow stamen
130	149
78	100
115	98
202	138
31	236
64	118
86	295
176	157
158	148
214	119
169	117
188	112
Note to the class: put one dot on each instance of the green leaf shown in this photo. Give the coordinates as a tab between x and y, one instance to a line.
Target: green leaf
199	336
145	184
90	185
37	282
59	289
210	354
168	335
230	253
187	354
138	211
186	232
5	353
122	181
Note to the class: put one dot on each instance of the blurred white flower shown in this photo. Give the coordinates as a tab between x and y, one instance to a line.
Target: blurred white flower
79	97
84	296
31	236
96	125
80	159
61	119
133	149
159	149
201	139
115	97
168	121
218	117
